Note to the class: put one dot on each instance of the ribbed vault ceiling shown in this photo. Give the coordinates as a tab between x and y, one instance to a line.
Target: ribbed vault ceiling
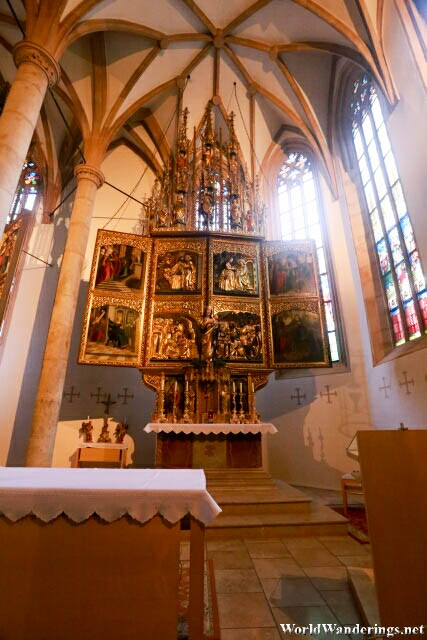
125	67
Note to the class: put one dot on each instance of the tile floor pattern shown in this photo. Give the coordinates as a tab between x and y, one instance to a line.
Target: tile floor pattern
262	583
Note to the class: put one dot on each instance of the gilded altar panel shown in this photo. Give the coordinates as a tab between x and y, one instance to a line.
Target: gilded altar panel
172	331
297	333
112	331
234	268
114	315
241	332
178	267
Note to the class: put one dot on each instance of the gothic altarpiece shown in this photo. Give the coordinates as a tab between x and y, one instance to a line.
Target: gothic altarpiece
201	303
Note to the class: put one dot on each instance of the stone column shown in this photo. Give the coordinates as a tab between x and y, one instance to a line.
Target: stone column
51	385
37	70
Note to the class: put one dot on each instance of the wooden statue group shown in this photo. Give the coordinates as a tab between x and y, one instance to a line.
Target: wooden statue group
119	433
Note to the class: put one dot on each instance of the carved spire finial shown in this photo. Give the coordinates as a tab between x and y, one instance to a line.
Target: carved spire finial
183	141
232	144
208	136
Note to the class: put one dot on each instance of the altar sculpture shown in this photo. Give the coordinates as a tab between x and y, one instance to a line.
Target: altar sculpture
200	302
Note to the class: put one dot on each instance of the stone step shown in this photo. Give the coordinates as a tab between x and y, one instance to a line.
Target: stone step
253	505
249	479
272	500
318	520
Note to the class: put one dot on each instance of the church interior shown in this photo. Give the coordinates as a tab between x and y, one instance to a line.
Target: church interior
213	318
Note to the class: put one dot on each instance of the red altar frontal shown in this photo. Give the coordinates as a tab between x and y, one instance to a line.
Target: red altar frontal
209	446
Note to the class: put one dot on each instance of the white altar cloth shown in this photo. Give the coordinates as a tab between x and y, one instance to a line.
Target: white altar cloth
109	493
169	427
102	445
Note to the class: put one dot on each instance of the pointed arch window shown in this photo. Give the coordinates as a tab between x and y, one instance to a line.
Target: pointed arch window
397	254
300	218
26	191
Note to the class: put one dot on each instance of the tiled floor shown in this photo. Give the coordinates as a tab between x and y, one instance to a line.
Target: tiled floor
261	584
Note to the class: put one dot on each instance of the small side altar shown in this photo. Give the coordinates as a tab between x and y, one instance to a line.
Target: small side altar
214	446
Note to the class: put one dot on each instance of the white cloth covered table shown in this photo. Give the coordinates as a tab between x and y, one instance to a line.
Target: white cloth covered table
109	493
169	427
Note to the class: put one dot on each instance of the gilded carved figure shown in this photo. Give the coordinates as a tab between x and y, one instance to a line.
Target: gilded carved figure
179	214
235	274
239	337
236	218
177	272
206	207
173	338
208	330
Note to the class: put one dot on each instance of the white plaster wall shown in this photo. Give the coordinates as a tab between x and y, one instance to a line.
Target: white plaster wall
27	323
310	446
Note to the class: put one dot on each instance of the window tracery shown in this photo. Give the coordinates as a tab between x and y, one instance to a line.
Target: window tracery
300	218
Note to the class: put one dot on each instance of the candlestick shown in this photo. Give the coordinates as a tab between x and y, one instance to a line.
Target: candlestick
241	388
88	418
234	387
253	388
241	412
234	416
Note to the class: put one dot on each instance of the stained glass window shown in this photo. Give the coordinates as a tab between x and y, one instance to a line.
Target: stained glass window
299	216
27	190
398	258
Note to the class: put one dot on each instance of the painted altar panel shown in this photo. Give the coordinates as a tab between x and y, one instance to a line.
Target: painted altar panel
291	268
297	331
114	316
234	268
112	332
297	334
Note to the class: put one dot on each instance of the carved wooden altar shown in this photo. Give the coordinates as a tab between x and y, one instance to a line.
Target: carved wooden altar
200	302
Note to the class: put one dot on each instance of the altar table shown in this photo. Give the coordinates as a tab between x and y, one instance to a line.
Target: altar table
100	453
94	553
218	446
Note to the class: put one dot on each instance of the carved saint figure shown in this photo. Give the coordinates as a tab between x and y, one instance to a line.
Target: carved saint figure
242	276
105	436
120	432
227	276
250	223
179	217
87	428
205	208
235	213
162	217
190	273
208	330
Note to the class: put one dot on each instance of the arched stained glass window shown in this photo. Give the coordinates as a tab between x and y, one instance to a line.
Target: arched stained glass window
27	190
300	218
398	257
